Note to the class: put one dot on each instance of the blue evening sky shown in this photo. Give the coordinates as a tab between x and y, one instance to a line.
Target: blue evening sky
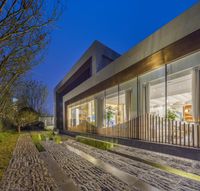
119	24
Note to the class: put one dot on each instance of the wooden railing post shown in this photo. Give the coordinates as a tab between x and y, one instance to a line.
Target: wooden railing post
193	136
198	135
156	129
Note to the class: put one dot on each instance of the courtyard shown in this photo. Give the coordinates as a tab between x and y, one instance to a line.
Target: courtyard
71	165
99	95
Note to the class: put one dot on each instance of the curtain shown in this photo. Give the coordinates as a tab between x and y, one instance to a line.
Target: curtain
196	94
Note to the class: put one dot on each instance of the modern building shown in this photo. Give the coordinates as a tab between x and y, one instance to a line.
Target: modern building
48	121
152	92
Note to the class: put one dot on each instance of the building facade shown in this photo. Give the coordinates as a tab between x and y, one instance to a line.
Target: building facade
151	93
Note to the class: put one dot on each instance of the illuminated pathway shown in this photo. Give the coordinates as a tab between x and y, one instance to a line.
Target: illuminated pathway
84	173
75	166
26	170
144	172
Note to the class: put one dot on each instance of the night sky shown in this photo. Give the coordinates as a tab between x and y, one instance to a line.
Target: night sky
119	24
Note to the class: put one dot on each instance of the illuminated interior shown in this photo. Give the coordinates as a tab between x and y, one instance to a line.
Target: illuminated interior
169	92
81	114
179	98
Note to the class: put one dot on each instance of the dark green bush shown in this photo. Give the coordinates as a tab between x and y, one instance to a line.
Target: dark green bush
57	139
39	147
37	141
95	143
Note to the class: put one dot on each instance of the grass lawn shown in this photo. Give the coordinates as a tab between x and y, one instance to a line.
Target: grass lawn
7	144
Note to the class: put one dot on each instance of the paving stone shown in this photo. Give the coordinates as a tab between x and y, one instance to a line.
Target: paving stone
150	175
187	165
188	185
84	174
26	171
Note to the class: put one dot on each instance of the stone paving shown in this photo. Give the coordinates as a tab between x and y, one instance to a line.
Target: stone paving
26	171
155	177
84	174
187	165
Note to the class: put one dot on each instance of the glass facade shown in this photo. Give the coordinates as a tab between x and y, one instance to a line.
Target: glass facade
152	92
81	114
179	95
111	109
159	100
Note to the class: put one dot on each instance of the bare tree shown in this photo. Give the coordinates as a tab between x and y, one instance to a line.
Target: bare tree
25	26
32	94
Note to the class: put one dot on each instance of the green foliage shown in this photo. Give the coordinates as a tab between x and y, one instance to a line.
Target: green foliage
109	114
25	116
95	143
7	144
24	34
39	147
44	136
6	125
1	125
37	141
171	114
57	139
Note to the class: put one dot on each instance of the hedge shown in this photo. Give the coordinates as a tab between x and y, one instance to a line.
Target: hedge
37	141
95	142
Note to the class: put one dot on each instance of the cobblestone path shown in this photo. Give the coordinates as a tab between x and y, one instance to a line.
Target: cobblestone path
26	172
164	159
155	177
84	174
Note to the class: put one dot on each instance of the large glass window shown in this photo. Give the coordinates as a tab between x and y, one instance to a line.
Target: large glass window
179	95
152	93
111	115
81	113
99	109
183	106
128	99
183	89
161	105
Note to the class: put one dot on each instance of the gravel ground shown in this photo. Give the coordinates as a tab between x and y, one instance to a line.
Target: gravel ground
187	165
84	174
155	177
26	171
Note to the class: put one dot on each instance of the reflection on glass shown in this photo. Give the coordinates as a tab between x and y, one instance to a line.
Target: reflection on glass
179	96
111	107
152	93
81	114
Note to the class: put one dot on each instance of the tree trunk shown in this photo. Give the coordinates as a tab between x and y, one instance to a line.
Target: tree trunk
19	129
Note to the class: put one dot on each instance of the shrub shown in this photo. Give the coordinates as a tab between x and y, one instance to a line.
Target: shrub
57	139
39	147
43	136
95	143
36	140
